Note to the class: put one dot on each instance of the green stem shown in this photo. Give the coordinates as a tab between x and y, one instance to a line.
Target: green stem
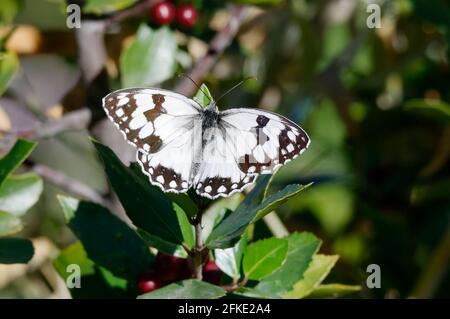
197	256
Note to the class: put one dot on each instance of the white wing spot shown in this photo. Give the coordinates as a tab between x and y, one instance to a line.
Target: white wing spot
283	151
252	169
208	189
120	112
160	179
173	184
234	186
222	189
150	170
123	101
146	147
290	148
246	179
184	184
147	130
303	139
291	136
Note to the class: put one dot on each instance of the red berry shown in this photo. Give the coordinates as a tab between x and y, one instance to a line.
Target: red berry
148	283
169	268
163	12
212	273
186	15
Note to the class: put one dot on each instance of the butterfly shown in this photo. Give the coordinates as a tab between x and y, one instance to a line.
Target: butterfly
181	145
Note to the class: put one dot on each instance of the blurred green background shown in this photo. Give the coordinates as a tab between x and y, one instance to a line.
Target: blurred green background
375	102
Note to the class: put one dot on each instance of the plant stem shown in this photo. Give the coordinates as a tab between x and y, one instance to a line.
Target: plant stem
198	249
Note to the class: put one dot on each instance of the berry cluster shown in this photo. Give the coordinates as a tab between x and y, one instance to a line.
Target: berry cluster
167	269
165	13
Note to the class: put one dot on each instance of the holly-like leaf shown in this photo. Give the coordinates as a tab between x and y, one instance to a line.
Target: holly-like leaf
15	157
15	250
229	260
150	58
228	231
146	205
19	193
203	96
108	241
314	275
263	257
301	249
186	289
9	65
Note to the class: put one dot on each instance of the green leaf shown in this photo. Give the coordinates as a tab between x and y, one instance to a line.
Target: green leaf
301	249
96	281
150	58
334	290
203	96
229	260
436	109
277	199
108	241
228	231
314	275
9	224
9	64
146	205
254	293
185	202
186	289
19	193
15	250
263	257
162	245
186	227
106	6
15	157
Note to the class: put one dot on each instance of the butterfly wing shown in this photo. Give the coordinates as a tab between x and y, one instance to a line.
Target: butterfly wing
218	174
263	141
161	124
150	118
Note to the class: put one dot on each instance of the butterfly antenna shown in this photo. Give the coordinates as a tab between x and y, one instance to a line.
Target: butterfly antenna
235	86
195	83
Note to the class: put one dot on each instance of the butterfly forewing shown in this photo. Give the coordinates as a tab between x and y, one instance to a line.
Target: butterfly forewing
262	140
150	118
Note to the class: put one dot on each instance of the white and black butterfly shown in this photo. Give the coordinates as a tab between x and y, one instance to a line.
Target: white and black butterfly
182	145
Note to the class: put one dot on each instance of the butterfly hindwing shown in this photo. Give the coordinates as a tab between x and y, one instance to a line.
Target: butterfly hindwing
219	174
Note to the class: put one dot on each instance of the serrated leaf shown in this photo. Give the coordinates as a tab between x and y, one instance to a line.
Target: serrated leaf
229	260
203	96
15	250
20	193
9	224
263	257
146	205
15	157
108	241
9	64
314	275
150	58
301	249
228	231
186	289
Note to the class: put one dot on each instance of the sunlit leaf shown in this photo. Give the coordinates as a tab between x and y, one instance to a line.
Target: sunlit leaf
18	193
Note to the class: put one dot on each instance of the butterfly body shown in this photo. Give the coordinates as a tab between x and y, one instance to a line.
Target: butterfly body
182	145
